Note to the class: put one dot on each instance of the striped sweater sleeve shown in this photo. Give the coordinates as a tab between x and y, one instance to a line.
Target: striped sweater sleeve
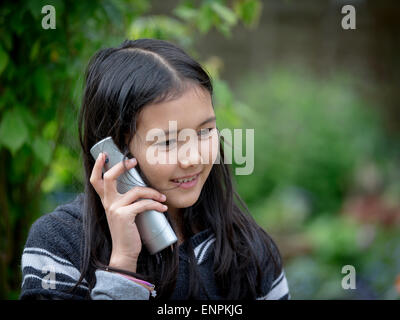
51	260
274	288
279	289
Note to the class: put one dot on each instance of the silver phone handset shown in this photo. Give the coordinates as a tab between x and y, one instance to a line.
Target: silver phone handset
154	229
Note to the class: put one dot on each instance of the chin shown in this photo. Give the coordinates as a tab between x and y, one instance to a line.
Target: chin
185	201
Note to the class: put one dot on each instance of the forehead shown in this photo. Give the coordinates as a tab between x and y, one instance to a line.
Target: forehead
188	110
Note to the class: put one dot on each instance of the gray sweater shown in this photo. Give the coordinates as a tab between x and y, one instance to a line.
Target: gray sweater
52	257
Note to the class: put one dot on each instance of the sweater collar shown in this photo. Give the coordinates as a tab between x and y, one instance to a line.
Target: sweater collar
195	240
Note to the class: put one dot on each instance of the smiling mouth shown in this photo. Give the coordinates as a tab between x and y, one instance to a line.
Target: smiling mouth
187	179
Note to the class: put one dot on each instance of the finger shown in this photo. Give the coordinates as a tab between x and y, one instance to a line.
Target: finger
142	206
139	192
96	176
111	176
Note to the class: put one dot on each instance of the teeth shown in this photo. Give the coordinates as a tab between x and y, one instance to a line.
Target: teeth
185	180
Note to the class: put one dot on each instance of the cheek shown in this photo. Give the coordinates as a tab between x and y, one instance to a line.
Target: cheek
155	173
158	175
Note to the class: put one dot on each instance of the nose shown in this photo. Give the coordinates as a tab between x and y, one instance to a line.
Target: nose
189	156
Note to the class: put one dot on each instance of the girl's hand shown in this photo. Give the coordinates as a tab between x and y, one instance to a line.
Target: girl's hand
121	210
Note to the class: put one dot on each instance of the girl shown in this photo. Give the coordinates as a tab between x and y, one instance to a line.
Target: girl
91	248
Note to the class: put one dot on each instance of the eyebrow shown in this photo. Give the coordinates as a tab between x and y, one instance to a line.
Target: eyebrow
210	119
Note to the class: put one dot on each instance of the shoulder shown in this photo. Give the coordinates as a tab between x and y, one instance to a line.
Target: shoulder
60	231
274	283
52	255
279	289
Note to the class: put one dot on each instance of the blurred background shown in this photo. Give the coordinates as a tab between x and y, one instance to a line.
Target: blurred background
323	102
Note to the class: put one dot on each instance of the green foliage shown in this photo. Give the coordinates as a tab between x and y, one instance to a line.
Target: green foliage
13	131
335	239
312	136
309	134
339	241
3	59
284	210
380	261
249	11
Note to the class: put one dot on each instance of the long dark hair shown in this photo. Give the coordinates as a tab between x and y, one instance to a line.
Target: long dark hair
119	83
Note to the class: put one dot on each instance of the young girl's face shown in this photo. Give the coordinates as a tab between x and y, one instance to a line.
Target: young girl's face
192	115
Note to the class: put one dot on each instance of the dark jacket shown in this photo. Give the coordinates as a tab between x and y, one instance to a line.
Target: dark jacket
52	257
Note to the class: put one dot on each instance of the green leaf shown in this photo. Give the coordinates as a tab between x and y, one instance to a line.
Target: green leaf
7	98
224	13
159	27
3	59
205	18
225	107
31	121
249	11
50	130
223	94
186	13
42	85
42	150
34	51
13	131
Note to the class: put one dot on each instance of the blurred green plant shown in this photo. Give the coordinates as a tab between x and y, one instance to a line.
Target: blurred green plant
373	250
312	138
41	88
310	134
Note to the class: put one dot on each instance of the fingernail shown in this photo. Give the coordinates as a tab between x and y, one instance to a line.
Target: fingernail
163	197
165	207
132	161
99	156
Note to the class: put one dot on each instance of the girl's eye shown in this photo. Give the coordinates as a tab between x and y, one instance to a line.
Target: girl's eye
166	144
205	133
